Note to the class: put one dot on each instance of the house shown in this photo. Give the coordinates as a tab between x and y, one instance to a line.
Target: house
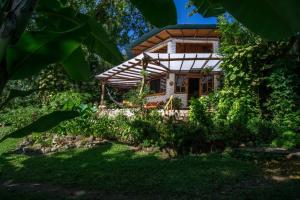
179	60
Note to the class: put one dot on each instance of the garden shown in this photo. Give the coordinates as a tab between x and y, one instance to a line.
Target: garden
241	141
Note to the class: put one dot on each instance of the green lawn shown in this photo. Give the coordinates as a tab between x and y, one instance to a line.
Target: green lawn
113	171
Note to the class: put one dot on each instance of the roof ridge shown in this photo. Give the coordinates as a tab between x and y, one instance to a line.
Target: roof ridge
156	30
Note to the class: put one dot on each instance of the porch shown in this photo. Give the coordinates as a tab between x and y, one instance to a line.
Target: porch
181	75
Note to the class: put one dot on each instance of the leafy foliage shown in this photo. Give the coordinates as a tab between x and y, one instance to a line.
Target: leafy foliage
155	11
262	23
258	102
56	25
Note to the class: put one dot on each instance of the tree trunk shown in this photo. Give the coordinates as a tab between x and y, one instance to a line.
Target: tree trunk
16	18
144	64
3	75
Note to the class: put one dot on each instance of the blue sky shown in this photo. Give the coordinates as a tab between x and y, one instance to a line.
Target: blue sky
184	18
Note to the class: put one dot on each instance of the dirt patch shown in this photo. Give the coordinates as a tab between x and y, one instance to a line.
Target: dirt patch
51	143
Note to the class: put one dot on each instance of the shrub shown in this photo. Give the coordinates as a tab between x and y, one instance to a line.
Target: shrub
68	100
177	103
262	131
190	139
21	116
199	112
287	139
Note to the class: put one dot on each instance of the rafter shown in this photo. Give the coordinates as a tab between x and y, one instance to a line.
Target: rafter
205	63
122	70
193	63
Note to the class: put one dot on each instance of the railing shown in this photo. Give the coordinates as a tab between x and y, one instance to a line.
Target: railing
169	105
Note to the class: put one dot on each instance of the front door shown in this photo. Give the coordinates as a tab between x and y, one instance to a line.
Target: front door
193	86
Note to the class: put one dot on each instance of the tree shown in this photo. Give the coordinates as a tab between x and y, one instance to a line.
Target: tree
62	39
65	30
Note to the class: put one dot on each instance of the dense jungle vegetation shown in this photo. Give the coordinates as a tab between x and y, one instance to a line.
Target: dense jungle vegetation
258	104
56	144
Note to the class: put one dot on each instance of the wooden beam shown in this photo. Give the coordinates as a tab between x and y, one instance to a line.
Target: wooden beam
150	73
132	62
123	76
181	63
159	38
179	59
143	46
156	61
102	94
122	70
128	71
193	62
217	64
144	64
206	62
123	85
129	79
196	33
151	69
169	33
151	42
123	81
130	75
182	34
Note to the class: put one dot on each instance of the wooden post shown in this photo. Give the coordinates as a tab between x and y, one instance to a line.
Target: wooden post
144	64
102	95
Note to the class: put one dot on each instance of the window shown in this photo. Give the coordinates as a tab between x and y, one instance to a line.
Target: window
207	83
180	83
158	86
194	47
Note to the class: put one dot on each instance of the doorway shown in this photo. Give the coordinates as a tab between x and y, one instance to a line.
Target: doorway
194	88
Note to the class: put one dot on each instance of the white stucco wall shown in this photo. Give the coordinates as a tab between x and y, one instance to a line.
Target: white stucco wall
171	44
169	92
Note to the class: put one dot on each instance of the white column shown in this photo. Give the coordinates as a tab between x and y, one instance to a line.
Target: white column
216	46
171	46
170	86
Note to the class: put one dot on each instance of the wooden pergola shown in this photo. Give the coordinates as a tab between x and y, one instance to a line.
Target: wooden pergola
148	66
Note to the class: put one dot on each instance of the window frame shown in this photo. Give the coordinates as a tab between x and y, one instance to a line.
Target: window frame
157	93
184	86
201	84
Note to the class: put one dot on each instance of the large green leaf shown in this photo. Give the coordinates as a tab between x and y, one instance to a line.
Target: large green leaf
43	124
60	42
209	8
36	50
44	5
99	42
273	20
158	12
95	37
76	65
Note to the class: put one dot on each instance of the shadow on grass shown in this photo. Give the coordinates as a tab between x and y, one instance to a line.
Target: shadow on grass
120	173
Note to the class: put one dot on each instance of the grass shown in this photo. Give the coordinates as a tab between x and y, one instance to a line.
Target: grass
113	171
